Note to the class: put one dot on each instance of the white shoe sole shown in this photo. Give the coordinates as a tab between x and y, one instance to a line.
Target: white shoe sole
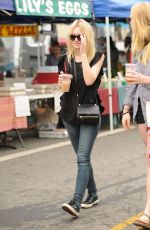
89	205
70	210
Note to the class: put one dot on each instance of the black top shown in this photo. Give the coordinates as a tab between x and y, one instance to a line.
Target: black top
87	94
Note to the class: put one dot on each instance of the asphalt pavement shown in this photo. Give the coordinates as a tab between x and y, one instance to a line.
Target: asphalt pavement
37	179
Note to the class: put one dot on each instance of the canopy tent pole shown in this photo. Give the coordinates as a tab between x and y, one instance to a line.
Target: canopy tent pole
43	54
38	53
109	74
21	52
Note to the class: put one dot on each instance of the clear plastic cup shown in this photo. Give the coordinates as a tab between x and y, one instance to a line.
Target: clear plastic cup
66	81
130	67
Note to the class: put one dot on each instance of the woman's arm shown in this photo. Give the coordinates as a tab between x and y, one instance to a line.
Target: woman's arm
90	73
128	103
129	97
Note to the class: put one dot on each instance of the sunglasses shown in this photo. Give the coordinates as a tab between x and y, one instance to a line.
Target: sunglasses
128	20
73	37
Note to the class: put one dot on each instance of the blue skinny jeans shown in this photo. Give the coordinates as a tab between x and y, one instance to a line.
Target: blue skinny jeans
82	138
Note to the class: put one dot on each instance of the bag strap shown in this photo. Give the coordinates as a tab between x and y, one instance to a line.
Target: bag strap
75	75
75	72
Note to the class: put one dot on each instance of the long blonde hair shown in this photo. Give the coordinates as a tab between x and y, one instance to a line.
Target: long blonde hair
88	32
140	14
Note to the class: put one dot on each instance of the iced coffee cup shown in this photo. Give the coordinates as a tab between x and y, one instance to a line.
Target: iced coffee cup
129	68
66	81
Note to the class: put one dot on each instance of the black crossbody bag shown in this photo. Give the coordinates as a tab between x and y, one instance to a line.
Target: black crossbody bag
87	113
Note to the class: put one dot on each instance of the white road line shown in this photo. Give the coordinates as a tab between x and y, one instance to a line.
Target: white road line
107	133
52	146
31	151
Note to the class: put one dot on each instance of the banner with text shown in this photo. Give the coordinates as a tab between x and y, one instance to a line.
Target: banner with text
54	8
18	30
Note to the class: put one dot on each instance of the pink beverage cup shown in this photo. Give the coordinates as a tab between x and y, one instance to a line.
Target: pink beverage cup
66	81
130	67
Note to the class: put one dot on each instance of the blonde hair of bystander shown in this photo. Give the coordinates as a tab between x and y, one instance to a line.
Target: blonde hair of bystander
140	25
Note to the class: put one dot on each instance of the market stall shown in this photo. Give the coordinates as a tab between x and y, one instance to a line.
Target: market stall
22	19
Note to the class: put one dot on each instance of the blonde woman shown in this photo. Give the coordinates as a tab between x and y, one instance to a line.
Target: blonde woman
83	61
138	90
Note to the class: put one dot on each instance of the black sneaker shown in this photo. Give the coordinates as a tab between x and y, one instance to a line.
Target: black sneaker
71	208
90	201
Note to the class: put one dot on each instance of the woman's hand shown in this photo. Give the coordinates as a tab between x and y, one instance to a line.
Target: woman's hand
136	78
83	45
126	121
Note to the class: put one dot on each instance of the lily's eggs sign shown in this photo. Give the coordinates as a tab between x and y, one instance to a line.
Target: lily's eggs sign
54	8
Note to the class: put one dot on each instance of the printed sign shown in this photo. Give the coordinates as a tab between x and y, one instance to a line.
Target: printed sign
22	111
18	30
54	8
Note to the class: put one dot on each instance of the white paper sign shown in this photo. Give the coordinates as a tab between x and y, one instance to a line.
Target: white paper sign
22	106
148	113
57	102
